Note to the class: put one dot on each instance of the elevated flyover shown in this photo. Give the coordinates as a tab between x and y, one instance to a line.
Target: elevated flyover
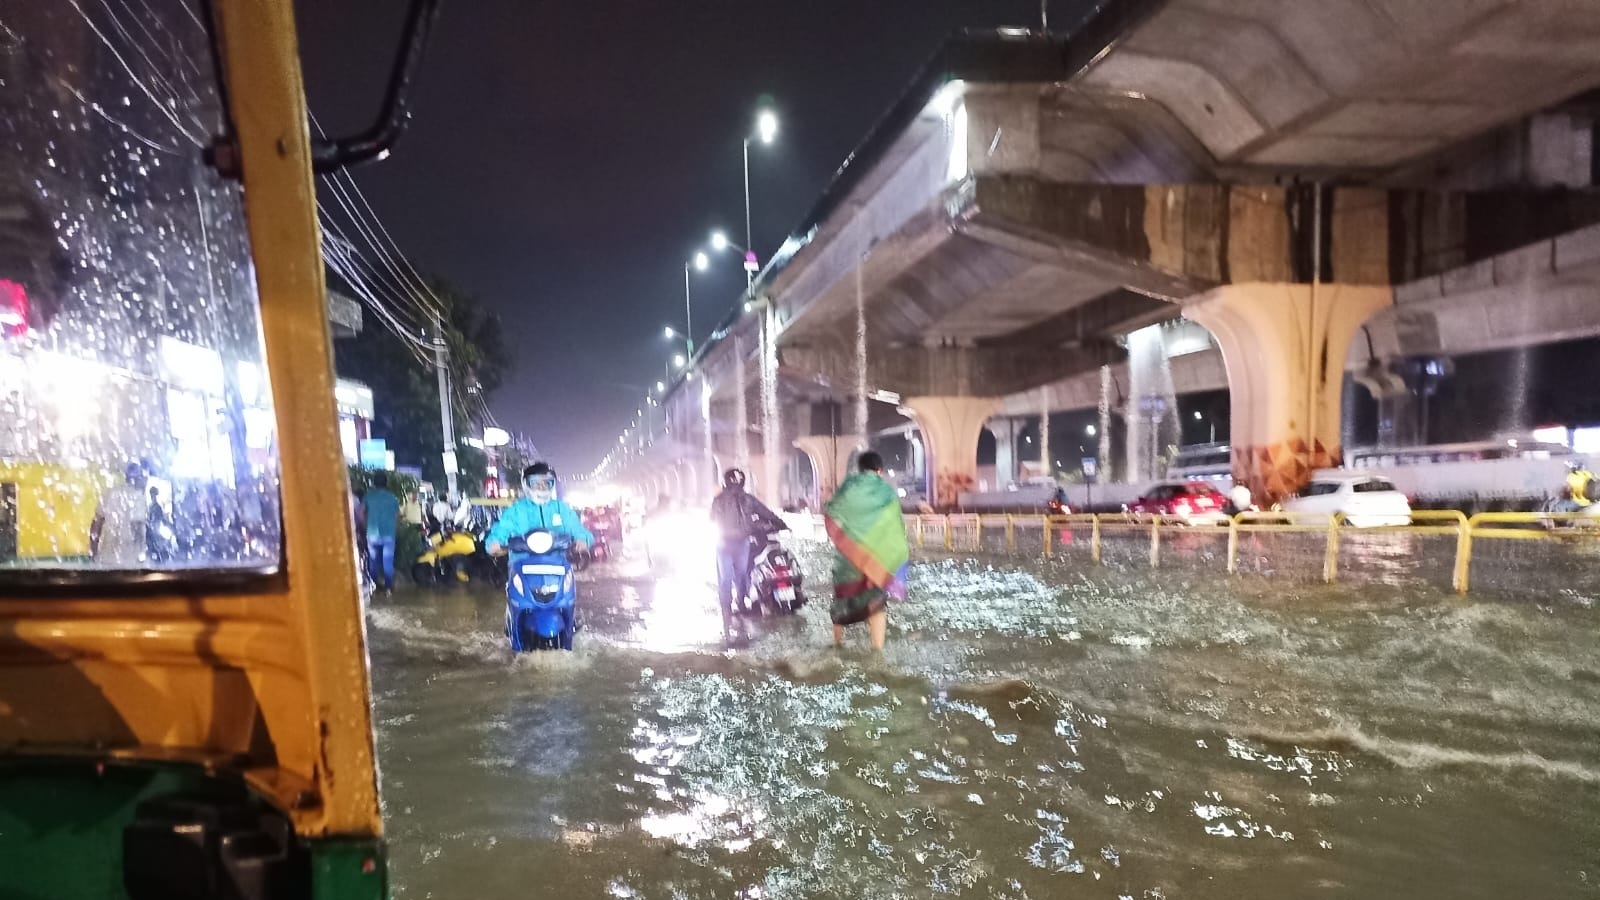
1272	169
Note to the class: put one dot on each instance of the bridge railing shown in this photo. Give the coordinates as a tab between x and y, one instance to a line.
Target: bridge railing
1509	553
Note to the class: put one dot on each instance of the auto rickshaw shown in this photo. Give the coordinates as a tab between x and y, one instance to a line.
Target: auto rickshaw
197	728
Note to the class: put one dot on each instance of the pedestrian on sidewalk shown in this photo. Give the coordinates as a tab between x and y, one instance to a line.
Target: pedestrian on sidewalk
381	510
869	535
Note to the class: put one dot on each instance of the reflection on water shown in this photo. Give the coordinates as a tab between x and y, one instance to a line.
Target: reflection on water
1029	733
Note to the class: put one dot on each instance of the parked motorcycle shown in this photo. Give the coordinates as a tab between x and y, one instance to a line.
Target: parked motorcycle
451	555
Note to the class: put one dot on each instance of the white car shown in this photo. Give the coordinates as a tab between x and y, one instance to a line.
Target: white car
1365	501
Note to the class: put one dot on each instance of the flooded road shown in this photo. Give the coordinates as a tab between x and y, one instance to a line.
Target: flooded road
1031	732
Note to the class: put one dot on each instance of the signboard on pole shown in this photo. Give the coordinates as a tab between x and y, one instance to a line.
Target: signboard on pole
450	467
1090	467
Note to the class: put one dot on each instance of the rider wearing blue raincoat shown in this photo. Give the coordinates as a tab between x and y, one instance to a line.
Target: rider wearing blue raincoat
538	509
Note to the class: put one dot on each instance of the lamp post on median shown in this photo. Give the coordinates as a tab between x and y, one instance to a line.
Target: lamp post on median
766	132
699	262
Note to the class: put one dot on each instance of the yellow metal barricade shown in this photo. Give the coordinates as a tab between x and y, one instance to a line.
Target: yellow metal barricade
1310	544
1314	528
963	533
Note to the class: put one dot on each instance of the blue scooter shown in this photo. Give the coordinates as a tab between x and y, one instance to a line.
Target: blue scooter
541	592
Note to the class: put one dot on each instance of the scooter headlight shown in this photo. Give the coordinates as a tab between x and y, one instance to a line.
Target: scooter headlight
540	541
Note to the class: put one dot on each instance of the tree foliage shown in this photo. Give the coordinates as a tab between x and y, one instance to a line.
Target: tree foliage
405	390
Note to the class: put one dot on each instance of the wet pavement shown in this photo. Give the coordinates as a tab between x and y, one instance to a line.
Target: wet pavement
1034	730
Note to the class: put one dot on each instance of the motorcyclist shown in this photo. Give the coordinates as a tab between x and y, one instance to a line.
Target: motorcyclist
1580	484
538	509
739	517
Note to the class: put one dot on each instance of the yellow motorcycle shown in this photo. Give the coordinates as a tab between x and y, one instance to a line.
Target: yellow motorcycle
451	554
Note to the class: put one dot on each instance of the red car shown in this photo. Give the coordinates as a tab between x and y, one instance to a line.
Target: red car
1190	502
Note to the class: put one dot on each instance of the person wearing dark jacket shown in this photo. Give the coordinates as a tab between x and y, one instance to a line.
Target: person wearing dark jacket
739	517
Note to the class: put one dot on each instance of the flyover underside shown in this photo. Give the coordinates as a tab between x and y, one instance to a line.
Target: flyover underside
947	282
1345	84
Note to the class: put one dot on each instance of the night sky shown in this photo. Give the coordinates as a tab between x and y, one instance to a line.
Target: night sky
564	159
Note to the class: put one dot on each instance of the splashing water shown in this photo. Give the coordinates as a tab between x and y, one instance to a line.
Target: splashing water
771	427
1030	732
741	411
1104	428
1152	406
861	356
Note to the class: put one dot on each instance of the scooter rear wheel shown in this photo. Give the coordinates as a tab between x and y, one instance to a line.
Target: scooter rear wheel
424	574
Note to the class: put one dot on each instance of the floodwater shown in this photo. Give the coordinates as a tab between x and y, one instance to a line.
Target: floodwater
1034	730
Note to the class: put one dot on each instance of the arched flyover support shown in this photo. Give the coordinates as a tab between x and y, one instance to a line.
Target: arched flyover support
950	428
1285	346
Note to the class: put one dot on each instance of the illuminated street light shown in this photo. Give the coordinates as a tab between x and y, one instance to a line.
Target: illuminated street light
678	361
661	387
701	262
1091	431
719	240
767	131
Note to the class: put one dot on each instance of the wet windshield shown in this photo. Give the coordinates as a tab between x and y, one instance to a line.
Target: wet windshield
130	340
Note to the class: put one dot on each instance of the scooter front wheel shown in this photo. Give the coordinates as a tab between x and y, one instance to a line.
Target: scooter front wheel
424	574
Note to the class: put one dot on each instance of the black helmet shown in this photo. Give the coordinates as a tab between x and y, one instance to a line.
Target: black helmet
537	471
733	478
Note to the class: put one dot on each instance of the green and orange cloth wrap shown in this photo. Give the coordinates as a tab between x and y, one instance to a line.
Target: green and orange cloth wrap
869	535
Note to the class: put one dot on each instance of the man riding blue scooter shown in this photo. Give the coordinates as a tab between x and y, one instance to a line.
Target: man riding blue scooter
538	530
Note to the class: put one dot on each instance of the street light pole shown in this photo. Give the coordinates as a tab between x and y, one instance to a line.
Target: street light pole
749	276
688	313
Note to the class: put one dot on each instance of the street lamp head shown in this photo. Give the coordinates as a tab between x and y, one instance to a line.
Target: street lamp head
701	261
1091	431
767	126
661	387
748	306
719	240
668	332
1197	416
678	360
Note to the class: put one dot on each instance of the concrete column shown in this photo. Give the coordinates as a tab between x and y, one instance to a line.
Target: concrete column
950	426
1285	346
830	460
1005	450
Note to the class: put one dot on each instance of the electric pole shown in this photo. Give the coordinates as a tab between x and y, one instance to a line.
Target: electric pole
446	421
